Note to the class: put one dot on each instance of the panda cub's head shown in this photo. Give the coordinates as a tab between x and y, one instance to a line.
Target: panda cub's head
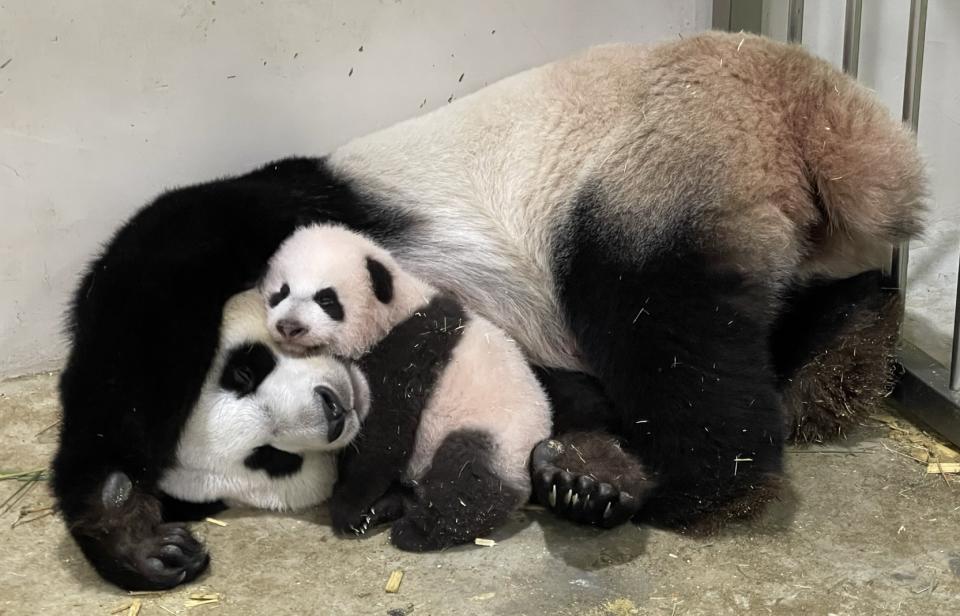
266	425
328	288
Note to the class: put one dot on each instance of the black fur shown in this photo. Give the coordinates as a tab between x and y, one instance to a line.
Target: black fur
459	498
279	296
144	325
834	350
381	280
402	370
577	401
680	344
330	302
275	462
246	367
176	510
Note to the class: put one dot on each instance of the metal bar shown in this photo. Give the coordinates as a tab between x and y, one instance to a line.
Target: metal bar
924	394
926	389
721	14
916	38
955	356
795	22
851	37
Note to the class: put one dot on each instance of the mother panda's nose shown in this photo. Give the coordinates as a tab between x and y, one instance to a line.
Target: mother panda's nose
290	329
332	407
333	410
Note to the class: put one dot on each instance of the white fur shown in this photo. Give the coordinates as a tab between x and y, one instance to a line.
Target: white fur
322	256
223	429
487	386
661	135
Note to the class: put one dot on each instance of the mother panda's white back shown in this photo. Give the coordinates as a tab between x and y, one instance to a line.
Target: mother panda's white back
478	407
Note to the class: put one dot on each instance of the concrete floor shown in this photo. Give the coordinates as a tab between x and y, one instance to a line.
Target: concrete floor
865	532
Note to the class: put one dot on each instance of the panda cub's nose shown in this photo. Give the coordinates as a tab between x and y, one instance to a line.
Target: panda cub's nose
290	329
333	411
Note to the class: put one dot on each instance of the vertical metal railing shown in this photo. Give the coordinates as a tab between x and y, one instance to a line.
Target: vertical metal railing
916	39
795	22
851	38
955	354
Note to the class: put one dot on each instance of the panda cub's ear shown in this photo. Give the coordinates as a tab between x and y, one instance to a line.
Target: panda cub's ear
381	279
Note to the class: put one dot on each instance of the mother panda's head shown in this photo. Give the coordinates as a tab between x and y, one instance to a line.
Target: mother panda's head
296	404
266	425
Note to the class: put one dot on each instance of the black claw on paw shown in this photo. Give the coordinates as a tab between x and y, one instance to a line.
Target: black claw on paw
358	520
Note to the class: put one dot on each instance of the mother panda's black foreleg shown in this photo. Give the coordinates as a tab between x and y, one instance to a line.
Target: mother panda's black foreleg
461	496
145	323
680	345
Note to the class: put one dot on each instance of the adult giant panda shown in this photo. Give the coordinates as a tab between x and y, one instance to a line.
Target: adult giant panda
264	432
640	214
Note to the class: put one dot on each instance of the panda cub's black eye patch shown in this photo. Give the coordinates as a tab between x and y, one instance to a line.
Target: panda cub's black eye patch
328	300
246	367
279	296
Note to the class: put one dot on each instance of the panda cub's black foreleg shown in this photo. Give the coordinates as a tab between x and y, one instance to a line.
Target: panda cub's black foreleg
460	497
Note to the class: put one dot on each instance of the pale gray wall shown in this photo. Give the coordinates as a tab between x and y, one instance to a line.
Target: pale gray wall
106	102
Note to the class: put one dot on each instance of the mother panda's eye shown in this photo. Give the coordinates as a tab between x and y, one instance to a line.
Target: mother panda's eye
243	378
279	296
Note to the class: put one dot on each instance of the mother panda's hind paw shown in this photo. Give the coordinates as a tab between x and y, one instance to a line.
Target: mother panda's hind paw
582	479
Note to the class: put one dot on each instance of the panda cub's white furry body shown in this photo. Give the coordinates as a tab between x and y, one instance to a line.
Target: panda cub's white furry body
266	428
473	406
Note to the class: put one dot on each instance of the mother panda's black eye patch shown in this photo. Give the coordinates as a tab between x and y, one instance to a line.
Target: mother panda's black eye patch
328	300
279	296
246	367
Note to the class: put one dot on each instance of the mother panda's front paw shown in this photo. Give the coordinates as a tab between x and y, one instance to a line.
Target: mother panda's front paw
588	479
128	543
168	556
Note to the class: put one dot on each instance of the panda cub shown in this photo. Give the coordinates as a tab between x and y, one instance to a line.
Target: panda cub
267	427
456	408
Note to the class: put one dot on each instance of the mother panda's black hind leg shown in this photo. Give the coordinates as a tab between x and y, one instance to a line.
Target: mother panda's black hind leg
679	342
460	497
587	477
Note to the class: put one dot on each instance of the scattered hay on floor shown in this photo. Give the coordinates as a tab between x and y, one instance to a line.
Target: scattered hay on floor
937	455
29	479
32	514
200	599
924	446
215	522
393	582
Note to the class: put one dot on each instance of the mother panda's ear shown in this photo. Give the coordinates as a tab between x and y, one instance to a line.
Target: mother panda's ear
381	279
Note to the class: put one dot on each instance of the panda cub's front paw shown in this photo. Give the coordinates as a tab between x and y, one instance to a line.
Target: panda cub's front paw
579	494
356	521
